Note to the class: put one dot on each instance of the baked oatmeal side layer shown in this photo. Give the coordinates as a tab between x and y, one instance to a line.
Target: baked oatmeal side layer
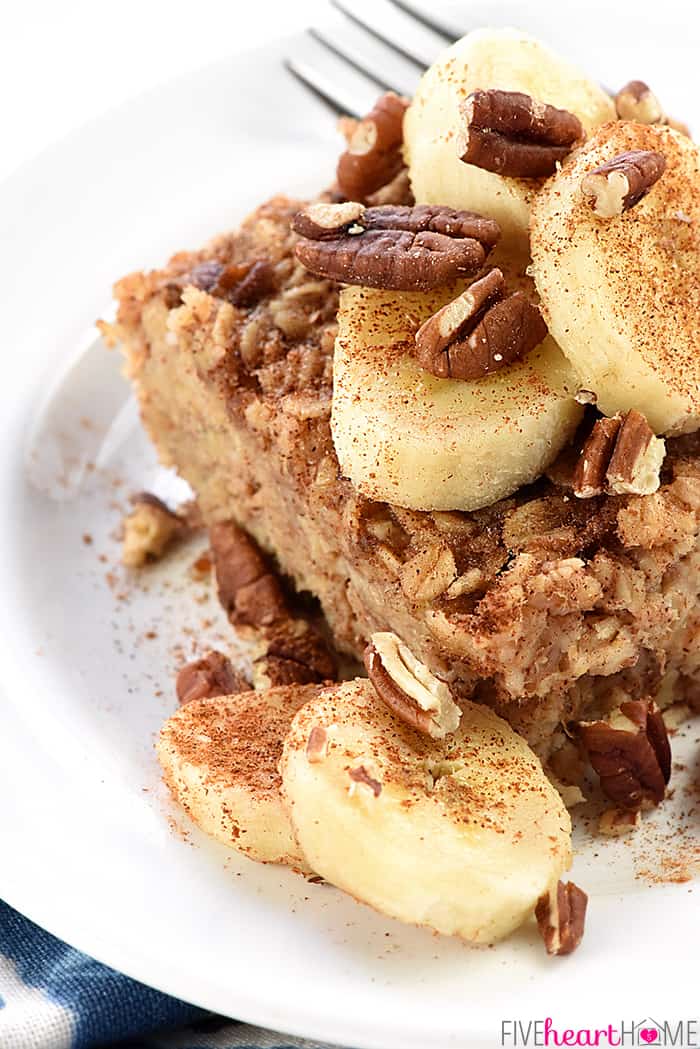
543	606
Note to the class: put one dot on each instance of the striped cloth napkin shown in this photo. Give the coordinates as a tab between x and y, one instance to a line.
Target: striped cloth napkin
54	997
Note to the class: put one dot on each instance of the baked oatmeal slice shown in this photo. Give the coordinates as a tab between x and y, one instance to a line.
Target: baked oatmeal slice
546	607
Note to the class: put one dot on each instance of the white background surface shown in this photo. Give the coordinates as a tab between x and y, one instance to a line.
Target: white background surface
63	63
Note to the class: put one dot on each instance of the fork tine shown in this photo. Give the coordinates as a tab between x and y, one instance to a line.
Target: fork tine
352	62
437	27
352	17
306	78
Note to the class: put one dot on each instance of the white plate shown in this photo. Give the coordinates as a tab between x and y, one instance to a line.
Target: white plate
88	845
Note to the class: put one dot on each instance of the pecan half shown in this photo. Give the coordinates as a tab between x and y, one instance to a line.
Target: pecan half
148	530
621	455
636	101
292	650
213	675
373	157
631	753
408	688
394	246
480	331
622	182
561	917
512	134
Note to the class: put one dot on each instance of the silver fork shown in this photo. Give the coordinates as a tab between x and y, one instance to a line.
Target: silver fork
385	50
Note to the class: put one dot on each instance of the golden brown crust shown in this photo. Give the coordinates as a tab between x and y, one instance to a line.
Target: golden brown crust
285	345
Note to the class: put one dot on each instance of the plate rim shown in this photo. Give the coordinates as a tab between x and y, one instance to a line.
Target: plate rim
305	1022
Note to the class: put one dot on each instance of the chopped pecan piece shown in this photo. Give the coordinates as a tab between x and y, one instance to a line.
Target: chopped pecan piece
241	284
615	823
292	649
622	182
561	917
636	459
631	753
394	246
293	653
244	284
636	101
409	688
621	455
591	468
512	134
203	276
248	590
148	530
213	675
373	157
479	332
360	775
316	745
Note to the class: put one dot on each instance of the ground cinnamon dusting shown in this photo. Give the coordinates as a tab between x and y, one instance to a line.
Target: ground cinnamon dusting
239	738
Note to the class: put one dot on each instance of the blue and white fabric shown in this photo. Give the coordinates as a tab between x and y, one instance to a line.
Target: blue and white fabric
54	997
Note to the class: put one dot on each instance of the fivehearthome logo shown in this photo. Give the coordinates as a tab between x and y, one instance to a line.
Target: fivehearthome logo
647	1032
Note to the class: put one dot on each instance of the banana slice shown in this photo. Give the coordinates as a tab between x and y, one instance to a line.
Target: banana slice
404	436
621	295
220	757
462	835
489	58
